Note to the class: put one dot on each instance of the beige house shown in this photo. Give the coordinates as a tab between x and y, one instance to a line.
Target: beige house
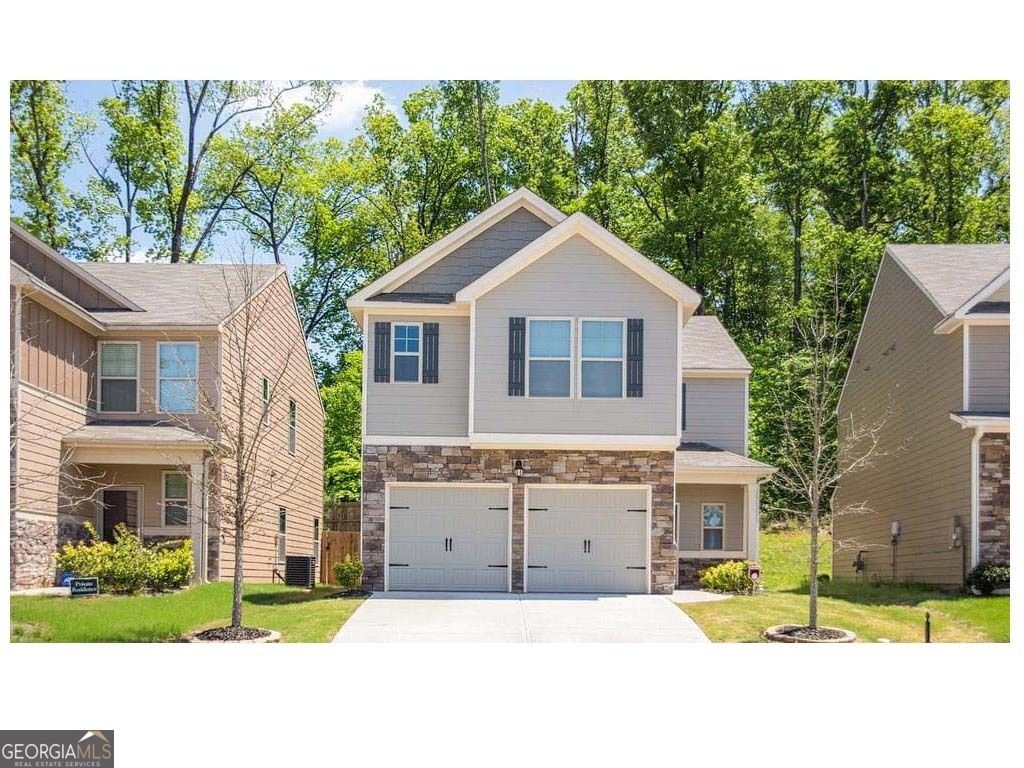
123	378
543	412
931	372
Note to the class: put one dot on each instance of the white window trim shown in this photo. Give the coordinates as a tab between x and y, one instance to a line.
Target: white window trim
100	377
580	358
293	426
266	394
675	524
703	527
316	540
159	378
282	536
164	499
394	354
572	346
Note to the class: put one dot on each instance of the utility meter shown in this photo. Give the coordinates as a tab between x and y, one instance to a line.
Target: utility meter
895	528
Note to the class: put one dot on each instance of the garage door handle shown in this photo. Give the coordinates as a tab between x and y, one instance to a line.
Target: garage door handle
536	566
399	565
497	566
394	507
537	509
636	567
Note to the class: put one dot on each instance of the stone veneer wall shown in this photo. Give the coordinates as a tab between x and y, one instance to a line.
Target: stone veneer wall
34	545
994	498
383	464
690	568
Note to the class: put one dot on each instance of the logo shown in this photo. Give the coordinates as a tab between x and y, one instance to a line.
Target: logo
56	749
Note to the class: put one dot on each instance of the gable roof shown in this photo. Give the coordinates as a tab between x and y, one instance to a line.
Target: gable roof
708	346
581	224
951	274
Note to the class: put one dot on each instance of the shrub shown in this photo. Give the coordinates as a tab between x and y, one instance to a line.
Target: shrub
987	577
126	566
349	572
730	576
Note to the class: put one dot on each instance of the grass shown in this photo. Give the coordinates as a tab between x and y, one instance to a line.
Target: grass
894	612
299	615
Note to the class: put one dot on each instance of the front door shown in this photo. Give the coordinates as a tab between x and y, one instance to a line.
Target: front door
118	507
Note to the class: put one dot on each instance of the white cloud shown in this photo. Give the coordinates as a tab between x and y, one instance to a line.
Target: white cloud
351	98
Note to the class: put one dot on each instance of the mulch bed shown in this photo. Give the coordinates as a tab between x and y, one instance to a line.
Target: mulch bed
231	634
350	593
821	633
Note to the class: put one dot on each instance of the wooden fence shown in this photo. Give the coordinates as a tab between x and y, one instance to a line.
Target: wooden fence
341	516
334	545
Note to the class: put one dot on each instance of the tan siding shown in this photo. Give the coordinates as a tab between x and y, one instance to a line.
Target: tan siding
989	363
298	480
150	478
715	413
690	497
58	277
56	355
600	287
924	480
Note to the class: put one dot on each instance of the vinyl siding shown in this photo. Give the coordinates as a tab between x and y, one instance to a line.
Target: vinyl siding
59	277
481	254
923	479
150	478
416	409
576	279
715	413
56	355
1001	294
989	365
278	352
690	497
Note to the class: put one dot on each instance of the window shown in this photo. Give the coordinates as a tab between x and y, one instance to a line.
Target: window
266	400
282	534
176	376
684	407
119	377
292	418
601	358
549	351
316	539
175	499
714	525
407	352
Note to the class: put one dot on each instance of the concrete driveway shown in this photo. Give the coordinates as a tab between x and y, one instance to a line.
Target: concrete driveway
516	618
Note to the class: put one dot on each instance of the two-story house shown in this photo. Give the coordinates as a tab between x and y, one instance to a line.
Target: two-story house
542	412
124	378
930	381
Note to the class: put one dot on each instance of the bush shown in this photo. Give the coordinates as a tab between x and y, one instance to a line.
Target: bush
727	577
987	577
349	572
126	566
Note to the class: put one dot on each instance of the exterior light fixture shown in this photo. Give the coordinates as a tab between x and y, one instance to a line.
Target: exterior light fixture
519	467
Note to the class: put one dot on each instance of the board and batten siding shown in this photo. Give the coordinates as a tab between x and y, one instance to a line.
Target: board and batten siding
56	355
989	366
715	413
413	408
690	497
58	277
923	479
601	286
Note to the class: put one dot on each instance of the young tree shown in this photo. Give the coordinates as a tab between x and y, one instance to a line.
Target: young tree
44	143
343	429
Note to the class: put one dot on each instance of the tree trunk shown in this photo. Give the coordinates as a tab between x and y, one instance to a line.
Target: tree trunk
798	259
236	599
483	141
813	587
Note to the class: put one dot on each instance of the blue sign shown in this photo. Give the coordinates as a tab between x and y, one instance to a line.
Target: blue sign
65	578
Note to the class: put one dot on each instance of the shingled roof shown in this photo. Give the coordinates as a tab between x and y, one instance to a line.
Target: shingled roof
951	274
708	346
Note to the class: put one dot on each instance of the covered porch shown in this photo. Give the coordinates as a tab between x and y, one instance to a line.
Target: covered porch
718	499
151	478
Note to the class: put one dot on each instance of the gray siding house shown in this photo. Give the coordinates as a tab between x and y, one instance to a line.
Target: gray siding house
931	371
543	412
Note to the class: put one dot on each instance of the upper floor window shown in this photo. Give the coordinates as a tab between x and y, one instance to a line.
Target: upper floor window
175	499
407	352
282	534
549	357
266	400
177	377
713	521
602	371
119	376
292	424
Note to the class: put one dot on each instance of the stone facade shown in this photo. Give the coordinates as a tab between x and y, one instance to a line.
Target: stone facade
382	464
994	498
690	568
33	547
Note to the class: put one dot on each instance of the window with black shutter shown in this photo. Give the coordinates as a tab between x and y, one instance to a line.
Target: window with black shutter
517	356
382	352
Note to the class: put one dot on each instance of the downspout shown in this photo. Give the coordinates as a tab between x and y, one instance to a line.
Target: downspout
204	574
975	468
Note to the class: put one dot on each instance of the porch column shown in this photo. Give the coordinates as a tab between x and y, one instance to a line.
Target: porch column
197	520
753	519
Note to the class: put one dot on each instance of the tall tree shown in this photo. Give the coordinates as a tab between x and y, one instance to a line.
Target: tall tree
44	144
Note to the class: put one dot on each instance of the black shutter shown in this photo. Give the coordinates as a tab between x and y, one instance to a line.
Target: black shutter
684	408
430	338
382	352
517	356
634	357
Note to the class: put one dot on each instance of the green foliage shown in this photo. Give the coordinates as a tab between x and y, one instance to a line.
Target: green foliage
730	576
987	577
349	572
342	400
125	565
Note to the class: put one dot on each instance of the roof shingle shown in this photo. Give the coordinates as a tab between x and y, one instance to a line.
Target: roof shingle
707	345
951	274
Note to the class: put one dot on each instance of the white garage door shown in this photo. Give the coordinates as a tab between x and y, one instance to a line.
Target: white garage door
448	537
587	540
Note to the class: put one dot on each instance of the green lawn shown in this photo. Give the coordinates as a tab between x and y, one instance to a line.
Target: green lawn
893	612
299	615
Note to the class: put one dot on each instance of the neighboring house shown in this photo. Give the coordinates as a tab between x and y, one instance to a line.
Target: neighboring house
543	412
119	377
931	369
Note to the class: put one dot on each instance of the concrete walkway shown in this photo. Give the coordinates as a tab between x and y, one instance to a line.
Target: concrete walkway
517	618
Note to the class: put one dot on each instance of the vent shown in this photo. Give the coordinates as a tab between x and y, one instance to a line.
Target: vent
300	571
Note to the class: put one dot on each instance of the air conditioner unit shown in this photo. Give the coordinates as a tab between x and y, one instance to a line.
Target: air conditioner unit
300	571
